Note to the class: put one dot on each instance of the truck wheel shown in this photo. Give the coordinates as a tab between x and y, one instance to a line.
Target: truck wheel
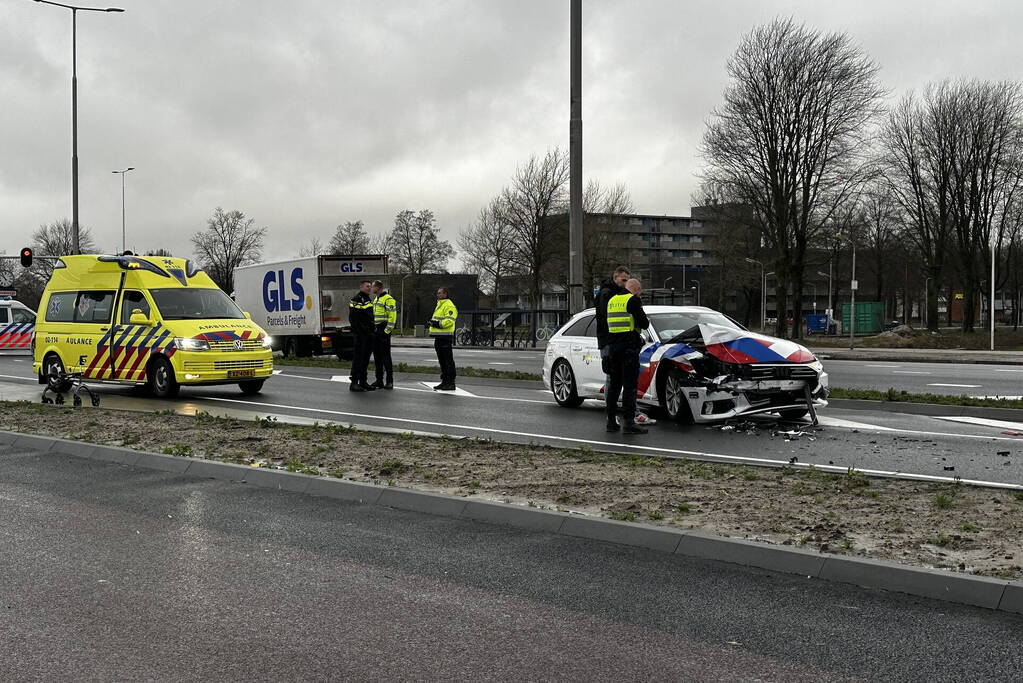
291	347
346	354
162	383
252	386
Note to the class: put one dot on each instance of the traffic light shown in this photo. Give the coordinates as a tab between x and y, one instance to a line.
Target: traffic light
26	257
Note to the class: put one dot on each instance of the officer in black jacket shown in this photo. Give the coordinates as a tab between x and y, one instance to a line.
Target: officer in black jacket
360	318
620	317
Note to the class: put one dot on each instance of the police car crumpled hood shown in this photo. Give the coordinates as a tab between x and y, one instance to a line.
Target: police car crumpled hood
742	347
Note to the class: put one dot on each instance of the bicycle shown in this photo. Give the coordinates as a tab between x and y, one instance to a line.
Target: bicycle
545	333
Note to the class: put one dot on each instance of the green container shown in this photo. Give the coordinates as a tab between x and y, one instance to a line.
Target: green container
869	317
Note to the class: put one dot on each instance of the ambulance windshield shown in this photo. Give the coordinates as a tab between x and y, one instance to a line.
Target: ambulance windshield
190	303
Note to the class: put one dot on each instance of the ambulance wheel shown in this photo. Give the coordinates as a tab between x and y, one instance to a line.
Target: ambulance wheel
162	383
563	385
53	369
252	386
673	397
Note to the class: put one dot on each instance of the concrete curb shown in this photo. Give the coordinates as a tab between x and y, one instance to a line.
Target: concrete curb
929	356
996	594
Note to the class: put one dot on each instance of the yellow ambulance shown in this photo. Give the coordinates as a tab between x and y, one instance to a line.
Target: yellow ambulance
150	320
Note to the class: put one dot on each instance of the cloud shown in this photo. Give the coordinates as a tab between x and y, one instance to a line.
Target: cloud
310	113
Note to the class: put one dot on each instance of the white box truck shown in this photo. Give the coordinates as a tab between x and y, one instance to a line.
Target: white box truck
303	303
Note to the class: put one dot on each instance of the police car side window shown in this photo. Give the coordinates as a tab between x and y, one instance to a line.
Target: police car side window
94	307
591	329
20	315
578	328
3	316
60	308
133	300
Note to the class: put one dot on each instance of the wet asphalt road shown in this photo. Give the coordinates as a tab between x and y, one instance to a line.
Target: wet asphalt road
521	412
109	573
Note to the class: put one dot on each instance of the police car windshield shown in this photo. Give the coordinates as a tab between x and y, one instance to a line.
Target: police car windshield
195	304
671	325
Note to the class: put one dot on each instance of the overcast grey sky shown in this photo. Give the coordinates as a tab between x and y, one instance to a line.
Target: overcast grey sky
308	113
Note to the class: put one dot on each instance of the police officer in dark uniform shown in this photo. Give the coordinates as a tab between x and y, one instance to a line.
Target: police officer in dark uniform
360	318
620	317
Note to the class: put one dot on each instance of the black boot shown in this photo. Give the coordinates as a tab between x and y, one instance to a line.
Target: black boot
379	384
612	423
355	387
633	428
367	387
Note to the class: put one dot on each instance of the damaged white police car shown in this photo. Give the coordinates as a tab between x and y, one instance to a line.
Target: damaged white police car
696	365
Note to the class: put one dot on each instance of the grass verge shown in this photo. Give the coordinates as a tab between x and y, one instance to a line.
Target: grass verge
947	525
895	396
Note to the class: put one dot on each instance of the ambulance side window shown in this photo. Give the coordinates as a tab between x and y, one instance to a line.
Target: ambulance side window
130	301
20	315
94	307
61	307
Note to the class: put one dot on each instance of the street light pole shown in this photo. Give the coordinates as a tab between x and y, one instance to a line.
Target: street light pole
575	153
697	288
852	308
121	173
75	246
992	300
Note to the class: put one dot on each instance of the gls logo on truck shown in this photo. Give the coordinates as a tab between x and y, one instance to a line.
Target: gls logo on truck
352	267
276	295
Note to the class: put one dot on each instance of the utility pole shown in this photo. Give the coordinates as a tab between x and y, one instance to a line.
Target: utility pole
575	150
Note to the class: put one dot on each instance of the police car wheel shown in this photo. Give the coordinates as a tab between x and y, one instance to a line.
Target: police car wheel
252	386
162	382
53	369
794	414
673	397
563	385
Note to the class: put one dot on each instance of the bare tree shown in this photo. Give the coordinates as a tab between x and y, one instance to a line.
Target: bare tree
158	252
349	239
314	247
537	192
604	209
380	243
57	239
791	138
489	247
416	245
230	240
880	218
953	160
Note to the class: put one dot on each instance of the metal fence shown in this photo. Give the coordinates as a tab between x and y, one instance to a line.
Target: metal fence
508	327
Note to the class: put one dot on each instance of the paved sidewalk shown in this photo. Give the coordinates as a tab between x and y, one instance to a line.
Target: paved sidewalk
921	355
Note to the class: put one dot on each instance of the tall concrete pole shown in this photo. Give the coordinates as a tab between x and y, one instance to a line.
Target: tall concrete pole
575	150
75	244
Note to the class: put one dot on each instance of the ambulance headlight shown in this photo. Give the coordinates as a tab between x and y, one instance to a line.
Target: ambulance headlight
267	341
185	344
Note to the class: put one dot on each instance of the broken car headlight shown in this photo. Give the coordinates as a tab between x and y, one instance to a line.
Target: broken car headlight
817	366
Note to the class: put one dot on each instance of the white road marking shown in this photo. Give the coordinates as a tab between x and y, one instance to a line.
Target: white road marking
453	392
983	422
18	360
651	449
333	378
848	424
500	363
909	372
963	386
1008	370
25	379
883	366
277	372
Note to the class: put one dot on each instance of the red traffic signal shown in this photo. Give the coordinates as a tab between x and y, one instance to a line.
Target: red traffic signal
26	257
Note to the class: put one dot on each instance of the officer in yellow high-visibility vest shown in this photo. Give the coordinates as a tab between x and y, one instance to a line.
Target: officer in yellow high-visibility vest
442	329
624	317
385	315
